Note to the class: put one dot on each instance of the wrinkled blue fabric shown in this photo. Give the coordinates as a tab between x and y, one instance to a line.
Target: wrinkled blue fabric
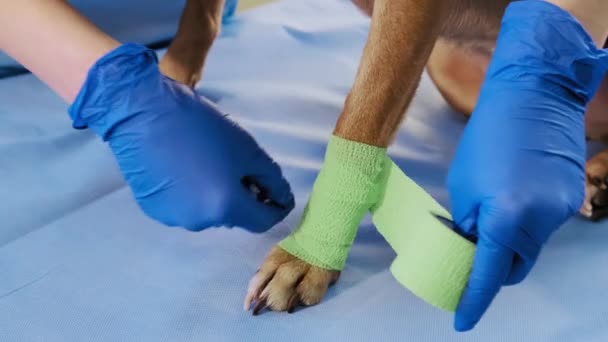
183	159
519	170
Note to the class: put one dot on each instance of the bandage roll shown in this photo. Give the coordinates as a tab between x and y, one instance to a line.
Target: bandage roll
433	261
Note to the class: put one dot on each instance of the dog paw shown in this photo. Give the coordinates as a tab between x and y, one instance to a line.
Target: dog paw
285	282
596	194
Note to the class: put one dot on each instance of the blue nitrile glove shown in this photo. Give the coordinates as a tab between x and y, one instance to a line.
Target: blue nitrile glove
518	173
185	161
230	7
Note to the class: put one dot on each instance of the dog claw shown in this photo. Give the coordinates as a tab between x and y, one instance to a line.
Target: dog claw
260	305
294	301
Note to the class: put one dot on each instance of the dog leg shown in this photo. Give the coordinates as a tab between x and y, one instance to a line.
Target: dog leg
400	41
199	26
458	73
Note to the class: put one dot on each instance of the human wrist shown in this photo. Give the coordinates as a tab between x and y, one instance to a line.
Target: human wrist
102	102
591	14
542	46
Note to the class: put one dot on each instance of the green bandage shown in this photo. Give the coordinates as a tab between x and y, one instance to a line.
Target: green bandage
345	190
432	261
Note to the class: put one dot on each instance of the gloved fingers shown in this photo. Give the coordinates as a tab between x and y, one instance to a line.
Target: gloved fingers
255	212
525	251
463	213
267	175
272	189
519	270
491	266
466	224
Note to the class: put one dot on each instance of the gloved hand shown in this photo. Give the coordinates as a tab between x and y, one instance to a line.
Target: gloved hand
518	173
186	163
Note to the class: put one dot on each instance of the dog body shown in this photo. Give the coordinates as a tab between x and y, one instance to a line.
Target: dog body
453	39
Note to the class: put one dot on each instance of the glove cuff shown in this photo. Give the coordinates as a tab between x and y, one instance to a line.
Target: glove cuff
538	38
103	100
345	189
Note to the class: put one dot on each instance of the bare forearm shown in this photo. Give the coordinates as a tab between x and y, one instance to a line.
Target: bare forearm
400	41
592	14
53	41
